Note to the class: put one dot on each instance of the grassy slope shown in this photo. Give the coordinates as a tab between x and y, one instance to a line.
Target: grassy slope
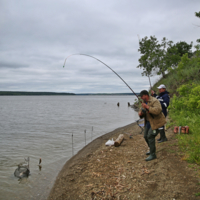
183	85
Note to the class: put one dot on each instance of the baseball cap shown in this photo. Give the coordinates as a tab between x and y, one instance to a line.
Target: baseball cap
161	86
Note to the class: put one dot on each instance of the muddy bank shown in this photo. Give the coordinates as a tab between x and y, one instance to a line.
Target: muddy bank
101	172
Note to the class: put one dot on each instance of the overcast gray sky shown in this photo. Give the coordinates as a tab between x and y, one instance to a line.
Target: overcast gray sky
37	35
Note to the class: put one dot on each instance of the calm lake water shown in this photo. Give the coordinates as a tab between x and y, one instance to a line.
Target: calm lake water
42	127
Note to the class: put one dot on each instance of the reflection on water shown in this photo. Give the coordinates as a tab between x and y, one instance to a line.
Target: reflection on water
42	127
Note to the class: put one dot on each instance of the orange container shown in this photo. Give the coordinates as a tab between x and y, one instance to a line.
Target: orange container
176	129
183	129
187	129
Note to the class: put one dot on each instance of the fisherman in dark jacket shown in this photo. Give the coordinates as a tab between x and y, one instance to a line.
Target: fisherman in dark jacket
164	99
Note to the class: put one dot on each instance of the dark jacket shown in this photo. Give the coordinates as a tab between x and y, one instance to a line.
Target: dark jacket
164	99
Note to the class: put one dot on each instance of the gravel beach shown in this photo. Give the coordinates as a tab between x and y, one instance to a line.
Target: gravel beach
107	172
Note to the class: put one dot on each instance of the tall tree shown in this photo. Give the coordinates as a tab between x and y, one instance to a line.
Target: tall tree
183	48
148	48
172	56
161	64
197	14
153	59
176	51
159	58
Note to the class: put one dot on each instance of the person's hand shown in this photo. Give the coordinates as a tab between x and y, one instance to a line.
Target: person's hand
140	113
144	105
152	92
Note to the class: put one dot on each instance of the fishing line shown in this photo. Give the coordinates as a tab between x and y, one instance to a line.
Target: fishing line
106	66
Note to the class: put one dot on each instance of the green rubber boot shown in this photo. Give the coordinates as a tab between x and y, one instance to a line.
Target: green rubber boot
163	136
151	157
148	152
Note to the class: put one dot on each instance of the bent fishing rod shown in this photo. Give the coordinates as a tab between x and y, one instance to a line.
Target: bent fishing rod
112	71
106	66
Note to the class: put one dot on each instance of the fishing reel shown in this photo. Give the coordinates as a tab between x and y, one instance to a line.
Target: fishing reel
143	111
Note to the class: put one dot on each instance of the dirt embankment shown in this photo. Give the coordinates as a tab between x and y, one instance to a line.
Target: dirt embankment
102	172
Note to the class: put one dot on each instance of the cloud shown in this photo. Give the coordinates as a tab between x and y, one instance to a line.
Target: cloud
37	36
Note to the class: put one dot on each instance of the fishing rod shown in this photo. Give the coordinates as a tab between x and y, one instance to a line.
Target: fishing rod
108	67
112	71
150	82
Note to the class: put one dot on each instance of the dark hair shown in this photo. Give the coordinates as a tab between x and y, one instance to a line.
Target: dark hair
143	92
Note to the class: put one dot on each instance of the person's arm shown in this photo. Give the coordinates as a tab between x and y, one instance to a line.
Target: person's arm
153	94
164	101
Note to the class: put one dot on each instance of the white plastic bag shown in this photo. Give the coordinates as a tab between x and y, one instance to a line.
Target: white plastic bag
110	142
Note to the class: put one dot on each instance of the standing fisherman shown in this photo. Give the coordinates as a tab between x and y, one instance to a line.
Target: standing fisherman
164	101
154	119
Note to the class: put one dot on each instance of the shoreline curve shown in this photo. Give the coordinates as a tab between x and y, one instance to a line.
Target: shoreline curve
85	152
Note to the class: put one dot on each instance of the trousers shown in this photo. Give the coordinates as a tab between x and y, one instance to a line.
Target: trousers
149	136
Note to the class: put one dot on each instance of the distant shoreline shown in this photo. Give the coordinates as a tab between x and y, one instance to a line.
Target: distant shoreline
107	94
20	93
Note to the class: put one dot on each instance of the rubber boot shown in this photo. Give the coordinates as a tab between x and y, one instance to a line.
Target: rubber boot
159	138
163	136
151	157
148	152
146	139
152	146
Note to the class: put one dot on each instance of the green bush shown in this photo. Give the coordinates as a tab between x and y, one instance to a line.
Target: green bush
184	109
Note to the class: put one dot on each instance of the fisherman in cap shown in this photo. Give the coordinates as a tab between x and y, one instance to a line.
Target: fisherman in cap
154	118
164	99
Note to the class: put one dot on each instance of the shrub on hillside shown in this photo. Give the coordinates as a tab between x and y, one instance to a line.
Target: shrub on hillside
184	110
